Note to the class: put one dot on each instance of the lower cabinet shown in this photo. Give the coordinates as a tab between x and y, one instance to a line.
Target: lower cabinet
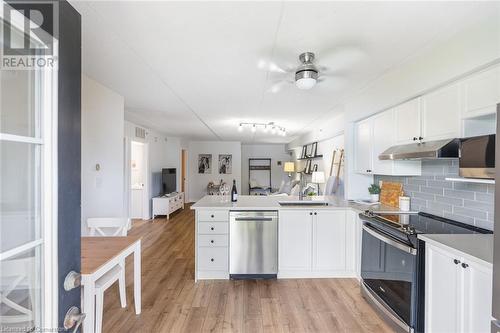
316	243
212	244
295	240
457	292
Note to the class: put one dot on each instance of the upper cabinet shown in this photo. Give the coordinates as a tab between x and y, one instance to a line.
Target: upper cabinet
463	108
481	93
407	118
441	111
372	137
363	133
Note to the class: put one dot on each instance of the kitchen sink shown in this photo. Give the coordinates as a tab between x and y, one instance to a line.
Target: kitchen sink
303	203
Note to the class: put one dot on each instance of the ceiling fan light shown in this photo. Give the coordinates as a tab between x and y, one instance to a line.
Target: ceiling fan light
306	78
305	83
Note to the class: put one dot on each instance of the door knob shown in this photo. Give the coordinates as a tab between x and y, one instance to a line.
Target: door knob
72	280
73	318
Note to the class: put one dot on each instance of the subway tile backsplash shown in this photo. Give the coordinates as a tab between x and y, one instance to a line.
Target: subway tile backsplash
471	203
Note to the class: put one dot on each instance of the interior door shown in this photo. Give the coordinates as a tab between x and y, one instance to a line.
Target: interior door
39	221
69	155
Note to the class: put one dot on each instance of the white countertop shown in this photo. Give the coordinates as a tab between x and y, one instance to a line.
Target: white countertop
475	246
256	202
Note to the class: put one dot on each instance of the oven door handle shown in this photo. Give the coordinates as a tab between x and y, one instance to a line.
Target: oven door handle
390	241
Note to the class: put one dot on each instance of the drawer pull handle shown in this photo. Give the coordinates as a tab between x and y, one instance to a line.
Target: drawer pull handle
212	228
212	241
464	265
212	216
212	260
456	261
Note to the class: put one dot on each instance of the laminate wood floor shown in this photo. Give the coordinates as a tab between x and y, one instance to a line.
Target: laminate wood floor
172	302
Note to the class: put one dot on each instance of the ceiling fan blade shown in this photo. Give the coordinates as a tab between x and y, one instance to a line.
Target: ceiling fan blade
341	57
278	86
271	67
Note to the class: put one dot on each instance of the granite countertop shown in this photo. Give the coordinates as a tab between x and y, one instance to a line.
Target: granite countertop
474	246
255	202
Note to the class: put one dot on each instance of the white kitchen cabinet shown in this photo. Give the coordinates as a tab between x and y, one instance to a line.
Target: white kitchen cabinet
316	244
383	138
481	93
457	292
295	237
212	244
477	289
329	240
363	132
407	122
373	136
441	111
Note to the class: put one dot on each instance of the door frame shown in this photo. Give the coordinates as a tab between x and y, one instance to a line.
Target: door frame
184	173
48	143
146	177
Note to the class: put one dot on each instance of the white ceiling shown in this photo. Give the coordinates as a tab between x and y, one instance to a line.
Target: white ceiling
191	68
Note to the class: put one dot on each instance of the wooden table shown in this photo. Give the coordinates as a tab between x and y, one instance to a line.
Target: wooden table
99	255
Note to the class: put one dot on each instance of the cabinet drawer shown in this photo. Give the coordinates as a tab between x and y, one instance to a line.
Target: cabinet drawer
213	215
213	240
213	227
213	258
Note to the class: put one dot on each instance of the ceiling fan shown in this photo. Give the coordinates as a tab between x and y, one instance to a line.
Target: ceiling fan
308	73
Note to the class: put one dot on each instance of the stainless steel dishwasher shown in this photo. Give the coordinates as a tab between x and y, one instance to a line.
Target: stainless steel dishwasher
253	245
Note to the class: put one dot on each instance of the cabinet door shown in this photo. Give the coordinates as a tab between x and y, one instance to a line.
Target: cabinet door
383	138
363	146
482	93
477	291
329	241
442	286
407	121
441	112
295	237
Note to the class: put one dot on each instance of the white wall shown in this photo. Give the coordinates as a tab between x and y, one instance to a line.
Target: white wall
466	51
325	148
164	152
198	182
102	143
274	152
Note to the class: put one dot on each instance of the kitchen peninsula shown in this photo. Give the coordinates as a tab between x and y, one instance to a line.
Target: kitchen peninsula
314	241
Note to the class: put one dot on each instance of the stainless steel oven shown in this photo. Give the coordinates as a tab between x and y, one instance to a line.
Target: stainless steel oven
393	263
388	270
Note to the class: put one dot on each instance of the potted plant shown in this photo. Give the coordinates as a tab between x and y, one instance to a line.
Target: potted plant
374	191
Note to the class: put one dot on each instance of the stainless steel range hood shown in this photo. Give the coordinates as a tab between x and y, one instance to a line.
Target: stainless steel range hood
426	150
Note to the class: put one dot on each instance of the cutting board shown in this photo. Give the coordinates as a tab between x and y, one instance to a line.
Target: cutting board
390	193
